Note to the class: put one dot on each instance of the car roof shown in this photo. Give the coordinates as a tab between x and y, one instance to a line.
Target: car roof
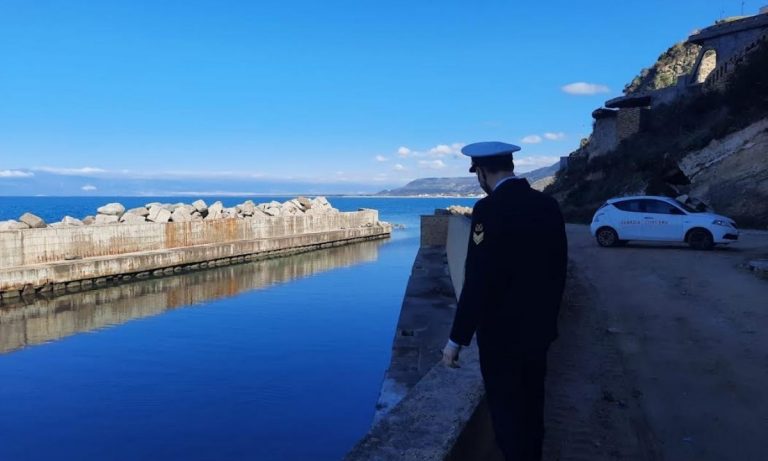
643	197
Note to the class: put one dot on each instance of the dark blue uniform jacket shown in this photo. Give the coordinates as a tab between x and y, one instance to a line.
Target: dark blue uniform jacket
515	272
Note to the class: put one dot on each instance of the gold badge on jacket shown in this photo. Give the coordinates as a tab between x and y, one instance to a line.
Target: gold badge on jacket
478	235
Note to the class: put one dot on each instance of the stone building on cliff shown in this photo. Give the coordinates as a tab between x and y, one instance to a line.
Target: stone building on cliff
703	63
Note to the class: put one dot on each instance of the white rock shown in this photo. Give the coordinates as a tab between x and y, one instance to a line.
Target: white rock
181	214
272	211
112	209
247	208
150	205
293	203
321	201
35	222
70	221
305	203
215	211
106	219
291	208
88	220
12	225
159	214
131	218
140	211
322	204
200	206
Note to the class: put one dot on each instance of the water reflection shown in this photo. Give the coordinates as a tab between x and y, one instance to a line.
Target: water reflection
25	324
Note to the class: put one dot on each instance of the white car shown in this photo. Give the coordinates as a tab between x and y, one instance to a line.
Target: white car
659	219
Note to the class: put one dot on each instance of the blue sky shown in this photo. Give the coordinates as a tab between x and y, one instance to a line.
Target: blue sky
352	96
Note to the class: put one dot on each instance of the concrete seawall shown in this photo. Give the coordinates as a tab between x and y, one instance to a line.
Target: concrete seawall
427	411
61	259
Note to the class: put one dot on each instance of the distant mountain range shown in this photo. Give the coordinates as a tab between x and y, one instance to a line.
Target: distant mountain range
463	186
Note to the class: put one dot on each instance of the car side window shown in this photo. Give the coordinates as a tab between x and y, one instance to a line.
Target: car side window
659	207
629	205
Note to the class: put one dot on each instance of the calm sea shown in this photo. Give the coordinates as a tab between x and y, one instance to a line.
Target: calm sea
272	360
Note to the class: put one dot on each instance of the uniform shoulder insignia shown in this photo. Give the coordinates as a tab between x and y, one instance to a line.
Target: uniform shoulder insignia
478	235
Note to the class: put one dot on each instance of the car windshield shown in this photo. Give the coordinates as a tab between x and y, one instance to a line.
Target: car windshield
689	208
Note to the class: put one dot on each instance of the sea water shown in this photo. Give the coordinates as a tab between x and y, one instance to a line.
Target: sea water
270	360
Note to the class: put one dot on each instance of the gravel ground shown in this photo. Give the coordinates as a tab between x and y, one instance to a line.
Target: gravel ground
662	354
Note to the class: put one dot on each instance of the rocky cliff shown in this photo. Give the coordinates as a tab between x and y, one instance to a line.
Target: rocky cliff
677	61
731	174
710	144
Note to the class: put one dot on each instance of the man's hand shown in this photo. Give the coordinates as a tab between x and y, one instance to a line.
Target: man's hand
451	354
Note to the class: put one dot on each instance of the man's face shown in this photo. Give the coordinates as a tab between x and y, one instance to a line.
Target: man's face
482	179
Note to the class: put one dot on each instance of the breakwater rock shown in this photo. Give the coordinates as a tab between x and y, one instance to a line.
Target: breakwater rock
116	213
161	239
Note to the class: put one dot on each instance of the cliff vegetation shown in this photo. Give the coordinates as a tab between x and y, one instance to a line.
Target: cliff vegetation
676	61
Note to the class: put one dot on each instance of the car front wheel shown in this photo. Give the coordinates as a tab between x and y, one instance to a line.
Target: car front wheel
700	239
606	237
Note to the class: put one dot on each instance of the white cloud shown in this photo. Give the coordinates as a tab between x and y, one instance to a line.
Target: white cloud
555	136
15	174
446	149
71	171
525	164
404	151
398	167
531	139
585	89
381	158
433	164
88	188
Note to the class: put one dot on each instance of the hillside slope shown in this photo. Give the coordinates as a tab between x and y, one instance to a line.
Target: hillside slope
464	186
711	146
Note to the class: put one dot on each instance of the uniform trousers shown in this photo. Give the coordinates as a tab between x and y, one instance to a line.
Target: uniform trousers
514	387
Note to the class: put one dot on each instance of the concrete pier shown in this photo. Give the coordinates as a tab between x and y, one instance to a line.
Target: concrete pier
62	259
427	411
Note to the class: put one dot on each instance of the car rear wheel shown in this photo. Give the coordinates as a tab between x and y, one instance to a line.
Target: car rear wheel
700	239
606	237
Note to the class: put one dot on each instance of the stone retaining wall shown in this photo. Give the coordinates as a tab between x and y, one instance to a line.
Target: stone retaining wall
36	246
34	259
427	411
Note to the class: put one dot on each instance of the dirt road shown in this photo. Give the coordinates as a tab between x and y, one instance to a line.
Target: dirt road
663	354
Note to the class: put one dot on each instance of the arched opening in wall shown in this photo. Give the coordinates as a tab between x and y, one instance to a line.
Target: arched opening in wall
708	64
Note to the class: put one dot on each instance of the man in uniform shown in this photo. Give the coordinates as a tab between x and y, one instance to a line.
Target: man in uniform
513	285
